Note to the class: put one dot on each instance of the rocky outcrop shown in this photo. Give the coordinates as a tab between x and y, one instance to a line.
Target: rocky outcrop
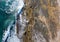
43	21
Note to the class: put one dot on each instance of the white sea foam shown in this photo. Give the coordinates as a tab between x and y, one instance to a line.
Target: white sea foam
6	33
16	5
12	5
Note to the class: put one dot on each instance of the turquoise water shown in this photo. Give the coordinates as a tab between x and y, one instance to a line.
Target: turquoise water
5	18
8	11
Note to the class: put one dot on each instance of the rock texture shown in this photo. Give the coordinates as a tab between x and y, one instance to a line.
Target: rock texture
43	18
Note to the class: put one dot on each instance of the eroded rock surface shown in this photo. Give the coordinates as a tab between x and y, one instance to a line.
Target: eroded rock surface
43	18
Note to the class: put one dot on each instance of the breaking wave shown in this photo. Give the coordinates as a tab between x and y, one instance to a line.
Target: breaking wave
16	6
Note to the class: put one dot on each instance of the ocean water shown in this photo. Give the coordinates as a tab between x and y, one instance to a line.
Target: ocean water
8	11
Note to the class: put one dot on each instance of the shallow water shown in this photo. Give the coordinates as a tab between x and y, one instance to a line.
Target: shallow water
9	9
